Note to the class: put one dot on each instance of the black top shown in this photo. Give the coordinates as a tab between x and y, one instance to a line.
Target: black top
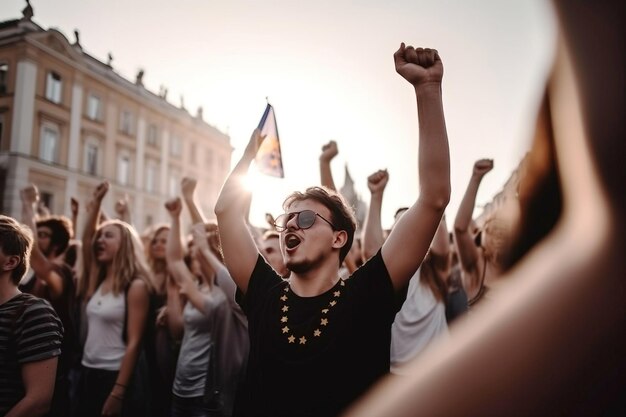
313	356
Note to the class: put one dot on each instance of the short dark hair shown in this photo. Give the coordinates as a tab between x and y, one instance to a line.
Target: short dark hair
16	240
341	214
61	228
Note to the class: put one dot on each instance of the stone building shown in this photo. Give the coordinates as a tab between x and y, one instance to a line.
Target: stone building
69	121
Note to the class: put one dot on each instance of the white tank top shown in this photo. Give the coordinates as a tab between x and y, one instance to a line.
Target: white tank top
104	348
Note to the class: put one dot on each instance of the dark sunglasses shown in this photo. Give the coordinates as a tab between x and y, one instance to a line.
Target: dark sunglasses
304	220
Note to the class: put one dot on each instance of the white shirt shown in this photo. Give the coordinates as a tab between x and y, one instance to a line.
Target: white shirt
104	348
420	320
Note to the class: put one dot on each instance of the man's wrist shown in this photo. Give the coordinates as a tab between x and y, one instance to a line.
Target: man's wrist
428	89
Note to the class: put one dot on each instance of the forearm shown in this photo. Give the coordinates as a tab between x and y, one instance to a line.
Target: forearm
126	370
232	200
193	294
38	262
174	248
434	155
466	208
372	230
326	175
29	407
226	284
194	211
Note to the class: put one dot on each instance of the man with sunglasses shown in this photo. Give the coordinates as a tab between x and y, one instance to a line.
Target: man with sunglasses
318	342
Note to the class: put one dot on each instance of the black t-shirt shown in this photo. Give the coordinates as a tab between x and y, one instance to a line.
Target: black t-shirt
314	356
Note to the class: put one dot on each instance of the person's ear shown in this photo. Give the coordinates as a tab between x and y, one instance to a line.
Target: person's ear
340	239
11	262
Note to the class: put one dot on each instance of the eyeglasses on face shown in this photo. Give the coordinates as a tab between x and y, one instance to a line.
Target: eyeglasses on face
304	219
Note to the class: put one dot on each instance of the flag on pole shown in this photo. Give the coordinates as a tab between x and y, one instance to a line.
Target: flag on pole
268	158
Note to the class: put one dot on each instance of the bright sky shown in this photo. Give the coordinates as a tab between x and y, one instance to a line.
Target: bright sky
327	68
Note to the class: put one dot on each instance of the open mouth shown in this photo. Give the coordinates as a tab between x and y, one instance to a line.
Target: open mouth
291	241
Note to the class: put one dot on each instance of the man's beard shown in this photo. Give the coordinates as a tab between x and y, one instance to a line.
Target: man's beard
298	267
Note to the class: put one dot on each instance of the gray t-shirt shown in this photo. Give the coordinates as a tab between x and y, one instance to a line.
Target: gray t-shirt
420	320
193	360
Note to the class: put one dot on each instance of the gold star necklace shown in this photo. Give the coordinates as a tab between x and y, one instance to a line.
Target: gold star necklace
323	323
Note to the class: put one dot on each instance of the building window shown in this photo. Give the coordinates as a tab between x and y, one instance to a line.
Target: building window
153	135
53	87
4	77
49	146
94	108
174	181
91	159
152	175
126	122
47	199
123	169
176	146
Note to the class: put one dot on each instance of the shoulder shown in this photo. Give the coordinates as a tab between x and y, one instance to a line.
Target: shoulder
138	290
263	276
373	266
38	331
37	307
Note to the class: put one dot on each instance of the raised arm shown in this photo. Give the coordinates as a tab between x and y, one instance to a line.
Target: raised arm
175	323
404	249
240	251
91	223
38	262
209	261
74	206
175	258
372	235
440	247
329	151
188	189
122	209
468	252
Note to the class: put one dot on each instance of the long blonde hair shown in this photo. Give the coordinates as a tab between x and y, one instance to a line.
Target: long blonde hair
128	264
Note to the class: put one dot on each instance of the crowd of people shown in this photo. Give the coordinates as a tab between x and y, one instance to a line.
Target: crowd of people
298	318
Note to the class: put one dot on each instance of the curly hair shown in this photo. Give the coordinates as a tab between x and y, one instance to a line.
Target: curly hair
62	231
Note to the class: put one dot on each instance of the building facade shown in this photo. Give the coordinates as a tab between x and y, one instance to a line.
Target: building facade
69	121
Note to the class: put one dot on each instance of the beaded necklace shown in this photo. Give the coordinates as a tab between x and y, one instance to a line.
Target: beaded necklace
290	336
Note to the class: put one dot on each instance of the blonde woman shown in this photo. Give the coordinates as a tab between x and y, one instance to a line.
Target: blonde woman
116	288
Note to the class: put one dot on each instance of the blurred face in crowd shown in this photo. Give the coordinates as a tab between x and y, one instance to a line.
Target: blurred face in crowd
158	244
44	240
270	249
108	242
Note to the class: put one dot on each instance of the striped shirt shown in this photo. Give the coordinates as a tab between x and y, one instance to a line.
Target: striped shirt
30	331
